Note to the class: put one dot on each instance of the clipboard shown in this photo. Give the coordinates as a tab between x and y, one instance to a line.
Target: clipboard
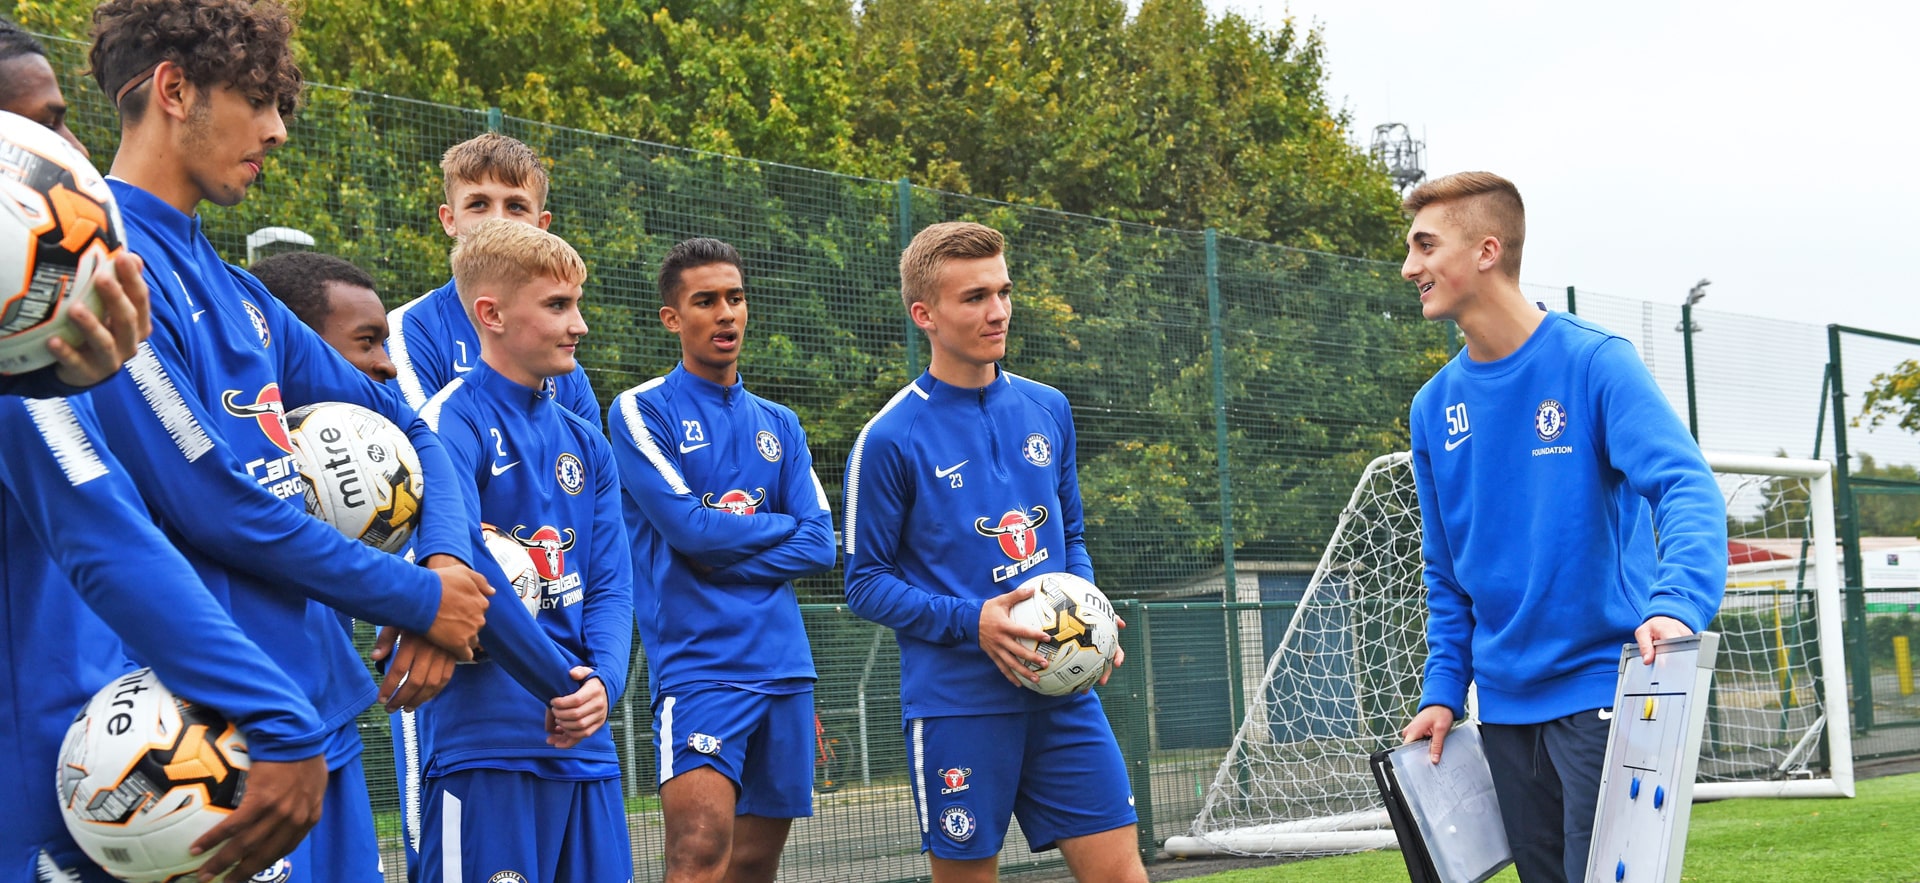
1445	815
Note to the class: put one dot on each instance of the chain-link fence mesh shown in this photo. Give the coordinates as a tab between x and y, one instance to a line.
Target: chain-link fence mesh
1227	394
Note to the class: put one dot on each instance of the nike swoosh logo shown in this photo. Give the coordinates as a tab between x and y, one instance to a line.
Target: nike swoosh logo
497	468
462	369
943	473
688	449
1606	714
1456	442
197	314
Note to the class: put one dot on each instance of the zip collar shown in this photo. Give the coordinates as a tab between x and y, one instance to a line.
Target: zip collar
934	390
500	388
154	210
696	385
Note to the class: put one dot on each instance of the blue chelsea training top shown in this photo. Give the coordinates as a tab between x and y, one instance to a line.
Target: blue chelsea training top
1562	504
196	418
955	496
88	576
543	477
717	476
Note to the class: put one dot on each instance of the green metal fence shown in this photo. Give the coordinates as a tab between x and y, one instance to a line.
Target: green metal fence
1227	395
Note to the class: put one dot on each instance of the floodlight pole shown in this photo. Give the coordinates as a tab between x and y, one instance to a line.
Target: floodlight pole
1686	329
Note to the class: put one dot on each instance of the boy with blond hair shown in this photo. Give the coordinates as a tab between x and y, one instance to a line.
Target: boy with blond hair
486	177
1565	512
516	789
965	446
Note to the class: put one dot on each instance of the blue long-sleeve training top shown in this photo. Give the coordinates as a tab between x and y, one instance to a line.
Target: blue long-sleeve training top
86	575
544	477
433	341
1562	504
196	418
955	496
719	477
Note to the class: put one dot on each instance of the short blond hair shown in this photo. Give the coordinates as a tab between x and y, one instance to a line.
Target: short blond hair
1482	204
498	157
954	240
498	253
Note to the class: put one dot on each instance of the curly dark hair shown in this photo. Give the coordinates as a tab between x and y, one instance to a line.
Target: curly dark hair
299	279
246	44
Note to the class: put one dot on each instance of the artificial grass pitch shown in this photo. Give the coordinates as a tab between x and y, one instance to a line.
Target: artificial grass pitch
1869	838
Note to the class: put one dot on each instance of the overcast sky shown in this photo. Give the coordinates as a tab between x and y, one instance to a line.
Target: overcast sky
1773	149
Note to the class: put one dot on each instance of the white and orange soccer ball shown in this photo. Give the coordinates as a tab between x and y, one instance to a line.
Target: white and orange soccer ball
1083	636
58	224
361	472
143	774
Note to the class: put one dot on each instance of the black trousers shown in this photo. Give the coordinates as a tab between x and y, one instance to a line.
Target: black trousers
1547	777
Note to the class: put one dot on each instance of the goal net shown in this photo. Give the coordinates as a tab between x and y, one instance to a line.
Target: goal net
1346	674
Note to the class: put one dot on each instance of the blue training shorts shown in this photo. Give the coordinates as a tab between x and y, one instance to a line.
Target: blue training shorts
763	742
1059	771
494	826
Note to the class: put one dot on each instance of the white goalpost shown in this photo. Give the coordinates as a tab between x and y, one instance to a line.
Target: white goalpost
1345	676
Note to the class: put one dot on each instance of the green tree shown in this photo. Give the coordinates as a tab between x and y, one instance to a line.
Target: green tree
1171	117
1895	396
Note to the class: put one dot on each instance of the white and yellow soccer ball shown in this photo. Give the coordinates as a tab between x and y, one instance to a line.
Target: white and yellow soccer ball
362	474
58	224
1082	636
143	773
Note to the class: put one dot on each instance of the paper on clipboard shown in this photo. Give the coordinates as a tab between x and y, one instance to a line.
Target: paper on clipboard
1453	805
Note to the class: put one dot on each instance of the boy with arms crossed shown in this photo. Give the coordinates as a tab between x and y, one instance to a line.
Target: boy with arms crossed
725	511
489	176
961	488
201	86
517	789
1566	512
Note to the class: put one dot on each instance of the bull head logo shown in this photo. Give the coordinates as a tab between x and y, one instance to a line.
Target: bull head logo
1015	531
265	410
736	501
546	547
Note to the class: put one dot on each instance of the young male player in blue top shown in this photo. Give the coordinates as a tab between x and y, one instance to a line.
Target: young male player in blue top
85	567
959	490
518	789
488	176
201	86
1566	512
725	512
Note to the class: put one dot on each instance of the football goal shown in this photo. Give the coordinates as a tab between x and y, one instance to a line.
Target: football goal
1345	676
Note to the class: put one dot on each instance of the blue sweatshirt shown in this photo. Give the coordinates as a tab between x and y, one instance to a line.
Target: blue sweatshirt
1536	474
82	563
433	341
196	418
719	476
545	477
955	496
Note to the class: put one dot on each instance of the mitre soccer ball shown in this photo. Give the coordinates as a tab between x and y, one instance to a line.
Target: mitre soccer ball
58	224
1082	636
143	773
362	474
